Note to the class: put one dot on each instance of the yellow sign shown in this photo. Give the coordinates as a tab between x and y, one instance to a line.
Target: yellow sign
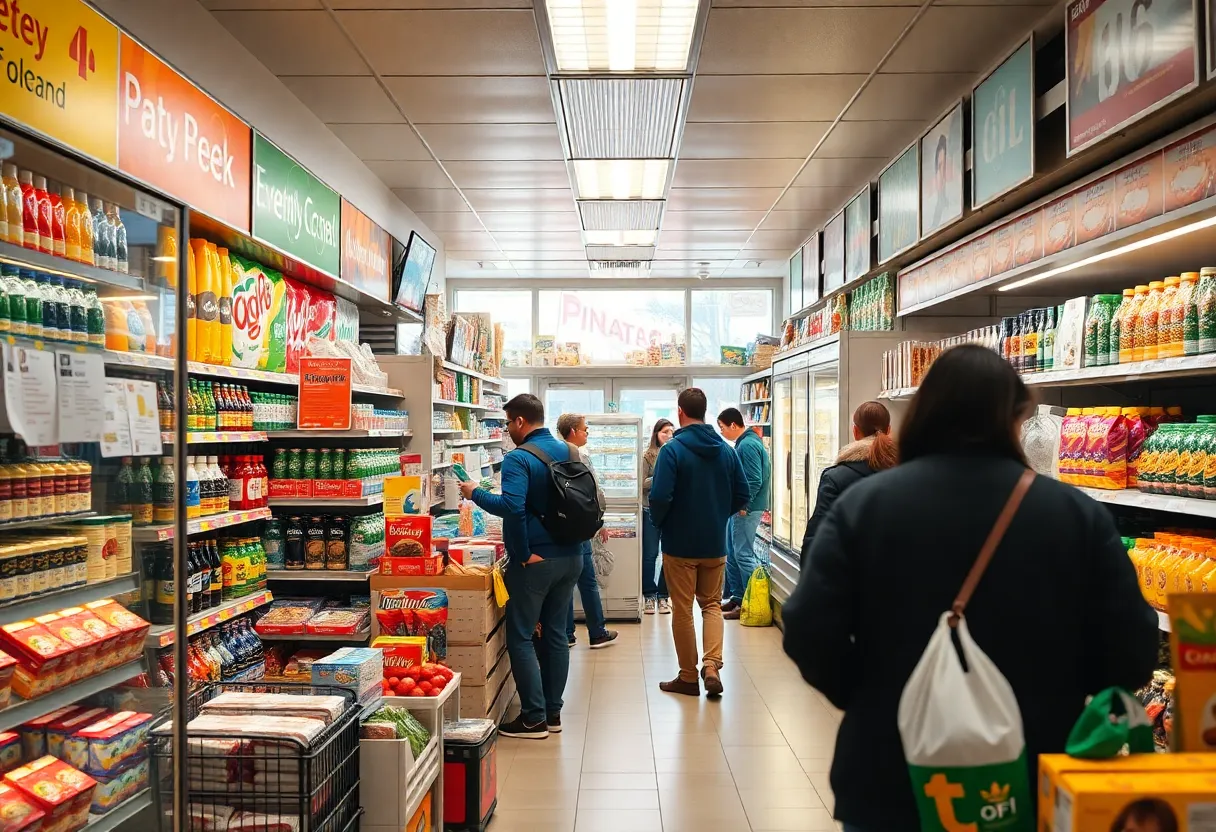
60	73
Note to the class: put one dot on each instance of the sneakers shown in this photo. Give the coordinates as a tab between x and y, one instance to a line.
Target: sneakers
554	723
571	641
729	605
605	640
664	606
649	606
678	685
713	682
521	730
732	614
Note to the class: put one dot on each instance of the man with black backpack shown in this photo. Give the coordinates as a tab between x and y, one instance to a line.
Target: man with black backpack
548	507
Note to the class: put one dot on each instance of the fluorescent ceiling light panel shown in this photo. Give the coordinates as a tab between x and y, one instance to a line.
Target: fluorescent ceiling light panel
622	35
620	252
620	238
621	118
621	178
629	214
620	268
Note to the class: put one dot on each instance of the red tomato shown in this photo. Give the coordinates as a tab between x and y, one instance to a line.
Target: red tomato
427	673
448	673
393	680
438	683
414	673
424	686
408	683
417	692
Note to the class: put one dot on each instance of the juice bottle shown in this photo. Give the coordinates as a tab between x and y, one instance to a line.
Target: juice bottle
58	218
14	228
196	279
71	225
1163	568
1148	325
208	310
225	307
29	211
1169	321
4	191
87	230
46	241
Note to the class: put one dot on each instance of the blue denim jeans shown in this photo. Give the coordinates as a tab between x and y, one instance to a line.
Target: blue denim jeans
650	560
589	592
741	560
540	594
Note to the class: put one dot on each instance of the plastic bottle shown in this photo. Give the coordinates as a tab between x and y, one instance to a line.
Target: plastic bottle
224	308
164	501
1149	323
33	303
221	484
95	318
71	224
193	498
88	230
58	220
119	231
29	211
195	276
103	237
208	310
1169	321
46	240
142	503
14	230
63	306
206	488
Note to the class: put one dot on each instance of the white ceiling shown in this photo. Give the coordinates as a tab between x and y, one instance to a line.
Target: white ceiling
772	78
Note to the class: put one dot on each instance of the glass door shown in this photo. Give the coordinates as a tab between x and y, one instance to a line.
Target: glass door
782	468
649	401
800	450
825	428
573	397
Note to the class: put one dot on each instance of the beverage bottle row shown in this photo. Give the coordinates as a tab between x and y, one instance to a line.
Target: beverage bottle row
248	482
244	563
273	411
316	543
204	579
49	307
166	406
59	220
1027	341
1165	318
873	305
210	278
43	488
212	406
228	653
336	464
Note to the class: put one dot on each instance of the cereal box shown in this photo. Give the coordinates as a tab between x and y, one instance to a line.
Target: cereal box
354	668
403	495
1193	645
132	630
18	811
60	790
407	536
42	659
401	652
1159	801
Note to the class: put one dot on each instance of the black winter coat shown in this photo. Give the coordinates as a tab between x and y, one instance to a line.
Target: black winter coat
1059	611
850	468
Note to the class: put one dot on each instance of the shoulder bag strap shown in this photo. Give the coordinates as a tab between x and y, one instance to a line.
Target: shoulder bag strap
530	448
989	549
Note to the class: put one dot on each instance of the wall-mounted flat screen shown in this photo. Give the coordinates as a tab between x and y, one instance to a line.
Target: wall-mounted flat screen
412	271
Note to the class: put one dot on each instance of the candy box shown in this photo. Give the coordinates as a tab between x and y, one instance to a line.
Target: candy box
106	638
60	790
1193	648
401	653
33	733
407	536
8	666
114	788
64	727
105	746
1096	802
10	752
353	668
83	657
42	659
131	628
18	811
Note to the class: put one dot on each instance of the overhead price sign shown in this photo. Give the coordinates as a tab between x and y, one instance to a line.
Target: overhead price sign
178	139
60	73
293	210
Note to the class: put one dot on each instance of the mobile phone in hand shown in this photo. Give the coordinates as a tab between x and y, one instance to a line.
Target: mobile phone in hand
460	473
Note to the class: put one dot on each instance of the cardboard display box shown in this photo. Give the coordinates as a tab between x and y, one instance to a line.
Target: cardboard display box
478	701
475	661
383	796
473	614
1136	800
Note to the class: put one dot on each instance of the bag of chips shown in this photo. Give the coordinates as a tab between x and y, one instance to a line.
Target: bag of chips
415	612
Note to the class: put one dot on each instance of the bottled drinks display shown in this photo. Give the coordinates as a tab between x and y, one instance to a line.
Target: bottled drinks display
873	305
368	417
220	570
325	542
248	482
273	411
1167	318
1027	341
212	406
231	652
334	464
49	307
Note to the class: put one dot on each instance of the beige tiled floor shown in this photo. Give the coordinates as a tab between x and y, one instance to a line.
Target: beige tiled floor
635	759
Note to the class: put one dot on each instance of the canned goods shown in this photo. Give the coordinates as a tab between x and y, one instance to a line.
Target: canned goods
295	464
325	465
339	464
310	464
278	468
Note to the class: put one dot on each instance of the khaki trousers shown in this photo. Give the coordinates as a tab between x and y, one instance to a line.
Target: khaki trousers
700	577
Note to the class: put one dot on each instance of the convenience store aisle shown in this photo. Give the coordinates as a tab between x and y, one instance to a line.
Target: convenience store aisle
632	757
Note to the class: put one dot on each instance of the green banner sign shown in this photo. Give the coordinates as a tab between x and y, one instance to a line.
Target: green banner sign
293	210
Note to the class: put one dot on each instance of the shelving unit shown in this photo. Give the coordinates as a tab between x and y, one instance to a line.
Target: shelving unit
327	502
73	597
162	635
350	639
120	814
212	523
23	710
317	575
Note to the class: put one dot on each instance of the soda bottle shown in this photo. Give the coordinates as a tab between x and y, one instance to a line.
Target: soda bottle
339	464
325	465
310	464
203	581
14	287
103	238
221	485
295	464
58	220
273	543
141	502
228	559
124	487
46	239
96	317
12	205
71	225
194	505
162	601
33	303
119	231
212	551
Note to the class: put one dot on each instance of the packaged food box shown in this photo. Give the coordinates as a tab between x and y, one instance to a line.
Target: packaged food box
114	788
401	653
61	791
407	536
33	733
107	637
429	566
131	628
10	752
1193	645
18	811
411	466
421	611
325	708
1133	801
353	668
403	495
472	553
105	746
339	622
83	658
42	659
64	727
8	666
288	616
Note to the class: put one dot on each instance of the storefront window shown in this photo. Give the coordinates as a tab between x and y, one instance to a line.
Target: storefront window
608	325
720	393
512	309
728	317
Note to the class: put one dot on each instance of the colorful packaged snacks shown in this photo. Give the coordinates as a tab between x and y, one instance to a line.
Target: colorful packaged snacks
415	612
10	752
287	616
339	622
401	653
1106	449
355	668
132	630
43	661
33	733
106	746
59	730
18	811
61	791
114	788
8	666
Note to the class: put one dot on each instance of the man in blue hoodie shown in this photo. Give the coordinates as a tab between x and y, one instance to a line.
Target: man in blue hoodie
698	484
741	560
540	574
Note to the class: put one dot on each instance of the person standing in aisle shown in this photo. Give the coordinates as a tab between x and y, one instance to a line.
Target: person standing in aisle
1058	610
540	574
741	558
698	484
573	429
872	450
654	592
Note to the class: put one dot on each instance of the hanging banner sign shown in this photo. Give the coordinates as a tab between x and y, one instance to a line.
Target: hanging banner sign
325	394
899	205
178	139
293	210
1124	60
1002	127
858	233
365	253
60	73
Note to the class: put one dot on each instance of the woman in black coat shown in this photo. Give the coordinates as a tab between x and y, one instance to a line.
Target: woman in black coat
870	451
1059	609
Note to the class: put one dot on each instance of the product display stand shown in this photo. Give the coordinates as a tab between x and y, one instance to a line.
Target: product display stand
427	774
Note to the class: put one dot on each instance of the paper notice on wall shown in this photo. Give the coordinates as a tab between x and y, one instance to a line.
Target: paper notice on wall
29	394
82	393
116	434
144	414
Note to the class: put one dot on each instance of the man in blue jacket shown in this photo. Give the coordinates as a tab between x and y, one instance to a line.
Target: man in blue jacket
698	484
540	574
741	560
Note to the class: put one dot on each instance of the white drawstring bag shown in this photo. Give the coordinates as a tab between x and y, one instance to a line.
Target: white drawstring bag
960	724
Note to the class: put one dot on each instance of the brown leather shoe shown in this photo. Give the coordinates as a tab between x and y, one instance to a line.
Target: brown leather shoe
713	682
678	685
728	606
732	614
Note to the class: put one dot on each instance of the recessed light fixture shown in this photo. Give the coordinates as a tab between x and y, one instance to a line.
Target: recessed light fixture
620	238
621	178
622	35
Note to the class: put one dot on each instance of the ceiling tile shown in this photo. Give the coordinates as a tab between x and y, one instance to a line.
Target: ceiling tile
722	199
735	173
506	142
779	240
711	220
466	240
294	42
908	97
498	221
805	221
538	253
509	174
765	254
409	174
675	263
846	173
702	255
343	99
473	100
511	199
486	256
727	98
751	140
961	38
854	139
703	240
381	141
572	265
448	42
815	199
423	200
798	41
451	221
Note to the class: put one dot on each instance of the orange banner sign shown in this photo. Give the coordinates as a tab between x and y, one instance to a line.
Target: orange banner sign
365	253
325	394
173	136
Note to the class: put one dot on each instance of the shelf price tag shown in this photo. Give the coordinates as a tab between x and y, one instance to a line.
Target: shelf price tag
82	392
325	394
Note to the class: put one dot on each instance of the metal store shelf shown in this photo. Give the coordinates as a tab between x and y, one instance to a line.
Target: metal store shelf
756	376
336	434
215	522
1158	502
461	443
22	711
363	636
46	520
467	405
328	502
317	575
162	635
121	813
456	368
43	262
73	597
216	437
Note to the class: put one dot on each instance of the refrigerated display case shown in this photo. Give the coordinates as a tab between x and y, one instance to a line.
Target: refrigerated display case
614	443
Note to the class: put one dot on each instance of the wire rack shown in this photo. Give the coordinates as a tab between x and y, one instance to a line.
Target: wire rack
265	780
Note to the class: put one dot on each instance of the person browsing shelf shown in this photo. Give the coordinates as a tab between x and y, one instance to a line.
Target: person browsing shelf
654	592
741	558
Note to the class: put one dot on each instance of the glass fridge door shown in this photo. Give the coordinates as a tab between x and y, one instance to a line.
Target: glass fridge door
800	449
615	449
825	436
781	460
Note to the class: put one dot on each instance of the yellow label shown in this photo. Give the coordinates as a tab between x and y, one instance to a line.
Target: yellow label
60	73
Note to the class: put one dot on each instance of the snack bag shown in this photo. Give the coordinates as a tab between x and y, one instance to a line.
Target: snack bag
346	324
295	327
254	290
415	612
322	314
1106	442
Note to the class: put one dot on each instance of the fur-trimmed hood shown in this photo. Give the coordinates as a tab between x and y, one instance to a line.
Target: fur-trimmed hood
858	451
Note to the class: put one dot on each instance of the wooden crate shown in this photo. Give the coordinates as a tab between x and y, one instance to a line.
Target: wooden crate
475	661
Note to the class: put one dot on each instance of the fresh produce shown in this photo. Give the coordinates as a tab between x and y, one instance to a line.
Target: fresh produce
426	679
406	724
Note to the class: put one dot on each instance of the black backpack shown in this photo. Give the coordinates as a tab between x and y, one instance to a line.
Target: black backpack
574	514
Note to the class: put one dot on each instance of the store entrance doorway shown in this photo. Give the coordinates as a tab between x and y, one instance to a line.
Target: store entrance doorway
650	399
